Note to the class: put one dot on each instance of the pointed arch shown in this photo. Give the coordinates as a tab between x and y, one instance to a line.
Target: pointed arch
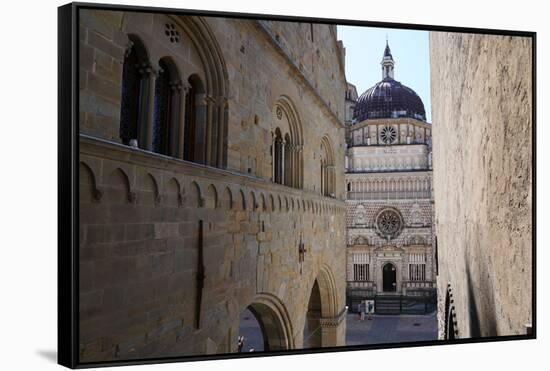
149	193
118	189
274	320
194	199
173	193
227	200
211	197
88	183
133	105
328	182
210	132
287	146
166	114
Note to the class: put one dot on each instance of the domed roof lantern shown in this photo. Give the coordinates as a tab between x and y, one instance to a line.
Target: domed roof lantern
387	63
388	98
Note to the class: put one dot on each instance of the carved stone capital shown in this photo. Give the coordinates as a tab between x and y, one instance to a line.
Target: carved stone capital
175	85
129	48
148	70
185	86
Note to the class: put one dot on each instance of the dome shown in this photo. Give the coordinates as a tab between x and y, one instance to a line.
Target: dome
389	98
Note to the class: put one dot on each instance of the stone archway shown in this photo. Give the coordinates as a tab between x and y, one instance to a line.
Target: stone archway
312	325
324	324
274	322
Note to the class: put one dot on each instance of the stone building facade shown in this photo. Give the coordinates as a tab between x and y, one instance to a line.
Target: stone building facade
210	183
351	100
482	159
389	204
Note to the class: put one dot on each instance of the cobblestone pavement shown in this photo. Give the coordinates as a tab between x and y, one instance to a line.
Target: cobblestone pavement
390	328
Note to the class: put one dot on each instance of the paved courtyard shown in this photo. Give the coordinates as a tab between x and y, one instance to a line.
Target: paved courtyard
390	328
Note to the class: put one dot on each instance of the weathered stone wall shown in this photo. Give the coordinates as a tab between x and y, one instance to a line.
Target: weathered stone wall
260	70
139	211
482	127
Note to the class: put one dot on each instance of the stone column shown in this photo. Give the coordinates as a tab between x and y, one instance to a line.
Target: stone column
222	119
292	152
322	190
149	76
333	330
210	103
299	165
333	180
184	89
282	167
175	112
200	129
273	160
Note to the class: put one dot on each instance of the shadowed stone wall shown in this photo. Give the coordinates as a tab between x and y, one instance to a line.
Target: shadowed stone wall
140	211
482	128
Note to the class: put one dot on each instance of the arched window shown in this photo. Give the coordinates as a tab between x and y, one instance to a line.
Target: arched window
328	182
178	115
166	109
287	145
132	124
278	157
195	122
288	148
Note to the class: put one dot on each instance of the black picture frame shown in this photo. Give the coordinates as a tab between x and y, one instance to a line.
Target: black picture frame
68	193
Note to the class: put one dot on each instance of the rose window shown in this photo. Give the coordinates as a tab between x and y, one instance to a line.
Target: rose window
389	223
388	134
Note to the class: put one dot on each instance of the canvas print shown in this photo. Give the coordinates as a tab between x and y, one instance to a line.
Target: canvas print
256	186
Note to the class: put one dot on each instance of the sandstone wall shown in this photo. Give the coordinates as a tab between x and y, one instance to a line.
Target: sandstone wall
140	211
139	253
482	138
260	70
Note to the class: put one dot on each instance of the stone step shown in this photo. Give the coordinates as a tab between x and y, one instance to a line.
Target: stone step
387	304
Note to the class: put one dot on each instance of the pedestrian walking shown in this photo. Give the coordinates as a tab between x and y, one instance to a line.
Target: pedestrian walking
362	311
240	343
369	311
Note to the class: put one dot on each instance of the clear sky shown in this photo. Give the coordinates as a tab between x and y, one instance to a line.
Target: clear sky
410	50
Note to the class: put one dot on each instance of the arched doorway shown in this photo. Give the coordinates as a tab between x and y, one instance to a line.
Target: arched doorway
251	332
266	326
312	325
324	324
389	277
